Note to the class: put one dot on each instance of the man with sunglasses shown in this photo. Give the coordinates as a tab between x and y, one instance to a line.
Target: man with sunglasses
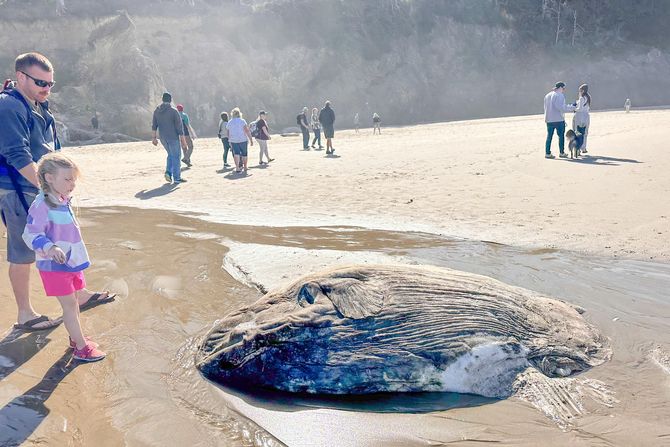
28	133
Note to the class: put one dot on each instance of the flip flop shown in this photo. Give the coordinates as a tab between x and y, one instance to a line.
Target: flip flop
96	300
29	326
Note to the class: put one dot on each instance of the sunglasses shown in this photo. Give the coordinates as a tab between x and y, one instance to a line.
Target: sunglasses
40	82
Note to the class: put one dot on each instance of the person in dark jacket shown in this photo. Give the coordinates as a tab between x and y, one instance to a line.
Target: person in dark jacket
168	123
28	133
327	120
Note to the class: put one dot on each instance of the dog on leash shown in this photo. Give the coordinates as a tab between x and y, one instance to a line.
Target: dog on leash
575	141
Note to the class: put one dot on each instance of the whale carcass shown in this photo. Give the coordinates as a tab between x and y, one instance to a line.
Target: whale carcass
368	329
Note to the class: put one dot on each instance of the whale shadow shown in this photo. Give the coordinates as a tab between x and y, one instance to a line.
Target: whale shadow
424	402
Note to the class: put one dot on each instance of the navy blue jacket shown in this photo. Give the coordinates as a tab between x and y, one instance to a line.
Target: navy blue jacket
20	145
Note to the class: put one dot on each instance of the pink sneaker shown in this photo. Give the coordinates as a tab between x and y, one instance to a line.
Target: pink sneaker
89	353
73	345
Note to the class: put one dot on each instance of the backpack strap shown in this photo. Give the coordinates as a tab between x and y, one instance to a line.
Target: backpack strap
5	167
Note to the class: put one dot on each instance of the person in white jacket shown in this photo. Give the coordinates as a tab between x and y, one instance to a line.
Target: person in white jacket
582	120
554	115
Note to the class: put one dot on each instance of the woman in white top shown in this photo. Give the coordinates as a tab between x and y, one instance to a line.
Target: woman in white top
316	127
238	136
581	120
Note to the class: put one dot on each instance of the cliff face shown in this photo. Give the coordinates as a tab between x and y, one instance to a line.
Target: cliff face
410	61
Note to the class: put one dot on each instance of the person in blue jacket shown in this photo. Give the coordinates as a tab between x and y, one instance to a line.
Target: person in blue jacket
28	133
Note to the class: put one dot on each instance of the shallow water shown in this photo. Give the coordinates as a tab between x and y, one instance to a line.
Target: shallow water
168	269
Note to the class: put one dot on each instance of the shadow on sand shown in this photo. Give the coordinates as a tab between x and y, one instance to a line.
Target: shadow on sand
20	418
369	403
15	350
167	188
237	175
600	160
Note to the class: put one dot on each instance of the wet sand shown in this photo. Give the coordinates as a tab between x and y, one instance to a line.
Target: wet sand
176	275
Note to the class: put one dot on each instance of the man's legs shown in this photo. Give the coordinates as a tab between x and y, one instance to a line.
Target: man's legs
19	277
305	138
174	150
20	257
168	164
263	149
226	148
560	128
188	150
550	135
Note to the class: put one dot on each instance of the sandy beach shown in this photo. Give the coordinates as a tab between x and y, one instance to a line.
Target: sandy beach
473	195
480	180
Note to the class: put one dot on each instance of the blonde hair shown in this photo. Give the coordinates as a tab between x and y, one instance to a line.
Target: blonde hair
236	113
50	164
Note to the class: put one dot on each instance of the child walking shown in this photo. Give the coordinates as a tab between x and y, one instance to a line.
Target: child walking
53	232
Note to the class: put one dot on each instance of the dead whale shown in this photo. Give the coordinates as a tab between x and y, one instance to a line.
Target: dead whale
368	329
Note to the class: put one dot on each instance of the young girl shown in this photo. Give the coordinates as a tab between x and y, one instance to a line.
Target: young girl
53	232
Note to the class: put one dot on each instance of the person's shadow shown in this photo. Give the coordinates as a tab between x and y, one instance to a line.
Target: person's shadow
16	350
167	188
20	418
601	160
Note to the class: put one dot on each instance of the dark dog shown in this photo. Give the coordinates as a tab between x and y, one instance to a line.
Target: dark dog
575	141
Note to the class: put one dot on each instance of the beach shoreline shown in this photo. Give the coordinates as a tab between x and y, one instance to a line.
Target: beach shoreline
479	180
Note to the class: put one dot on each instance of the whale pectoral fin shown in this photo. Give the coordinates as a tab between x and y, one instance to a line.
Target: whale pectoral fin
353	298
562	400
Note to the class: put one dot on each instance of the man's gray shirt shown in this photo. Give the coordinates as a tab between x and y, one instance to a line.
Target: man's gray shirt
168	122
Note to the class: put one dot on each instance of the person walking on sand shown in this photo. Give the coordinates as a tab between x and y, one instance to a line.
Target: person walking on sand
376	123
582	119
327	120
28	133
53	232
239	136
554	116
357	122
189	135
304	128
626	105
263	137
223	135
168	123
316	127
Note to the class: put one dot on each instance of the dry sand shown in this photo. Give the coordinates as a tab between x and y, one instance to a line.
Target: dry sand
481	180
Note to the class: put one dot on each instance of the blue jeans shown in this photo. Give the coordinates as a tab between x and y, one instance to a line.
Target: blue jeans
173	165
317	137
559	126
305	138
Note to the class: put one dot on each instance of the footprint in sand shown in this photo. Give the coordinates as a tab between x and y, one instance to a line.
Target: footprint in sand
166	286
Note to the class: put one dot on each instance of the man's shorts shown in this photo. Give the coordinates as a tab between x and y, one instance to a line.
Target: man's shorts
62	283
240	148
14	217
